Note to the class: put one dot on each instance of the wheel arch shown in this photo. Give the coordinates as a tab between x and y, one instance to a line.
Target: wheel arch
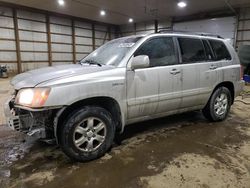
229	85
108	103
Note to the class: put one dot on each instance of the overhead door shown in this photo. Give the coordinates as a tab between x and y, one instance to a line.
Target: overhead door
224	27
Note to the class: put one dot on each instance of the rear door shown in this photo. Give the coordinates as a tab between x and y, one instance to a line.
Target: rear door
193	56
170	79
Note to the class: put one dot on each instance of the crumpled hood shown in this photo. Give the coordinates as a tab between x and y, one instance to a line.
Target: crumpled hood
38	76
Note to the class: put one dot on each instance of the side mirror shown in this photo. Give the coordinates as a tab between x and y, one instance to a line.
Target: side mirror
141	61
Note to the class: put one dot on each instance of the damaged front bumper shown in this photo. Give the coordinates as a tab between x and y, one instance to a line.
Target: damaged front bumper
33	123
13	121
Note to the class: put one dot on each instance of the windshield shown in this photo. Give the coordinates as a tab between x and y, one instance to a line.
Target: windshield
112	52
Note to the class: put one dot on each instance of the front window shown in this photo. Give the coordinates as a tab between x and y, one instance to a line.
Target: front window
161	51
112	52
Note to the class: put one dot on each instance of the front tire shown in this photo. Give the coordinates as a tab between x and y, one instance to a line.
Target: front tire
87	134
219	105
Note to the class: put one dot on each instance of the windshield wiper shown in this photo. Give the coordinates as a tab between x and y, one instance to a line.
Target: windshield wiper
91	62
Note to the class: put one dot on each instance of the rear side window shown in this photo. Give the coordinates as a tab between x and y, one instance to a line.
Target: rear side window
220	50
192	50
161	51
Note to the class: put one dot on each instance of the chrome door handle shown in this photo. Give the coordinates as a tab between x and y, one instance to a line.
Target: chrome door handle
175	71
212	67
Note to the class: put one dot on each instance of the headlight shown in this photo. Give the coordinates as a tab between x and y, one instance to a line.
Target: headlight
33	97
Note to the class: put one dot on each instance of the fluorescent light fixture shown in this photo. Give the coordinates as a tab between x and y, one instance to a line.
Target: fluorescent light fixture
130	20
182	4
102	13
61	2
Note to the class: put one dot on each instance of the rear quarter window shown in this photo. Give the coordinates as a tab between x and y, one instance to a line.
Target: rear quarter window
220	50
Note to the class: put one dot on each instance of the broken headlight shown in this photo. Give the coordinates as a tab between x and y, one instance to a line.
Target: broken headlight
32	97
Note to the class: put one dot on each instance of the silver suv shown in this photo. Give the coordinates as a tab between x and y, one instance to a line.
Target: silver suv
127	80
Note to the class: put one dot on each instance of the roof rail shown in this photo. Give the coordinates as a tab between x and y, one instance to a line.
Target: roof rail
190	33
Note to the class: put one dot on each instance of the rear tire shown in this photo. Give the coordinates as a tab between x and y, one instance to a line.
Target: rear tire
87	133
219	105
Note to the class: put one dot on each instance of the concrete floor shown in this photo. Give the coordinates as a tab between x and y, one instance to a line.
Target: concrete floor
177	151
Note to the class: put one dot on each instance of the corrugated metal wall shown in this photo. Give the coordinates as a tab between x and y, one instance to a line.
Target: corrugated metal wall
7	38
243	36
29	40
144	27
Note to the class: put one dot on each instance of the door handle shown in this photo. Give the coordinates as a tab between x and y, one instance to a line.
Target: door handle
175	71
212	67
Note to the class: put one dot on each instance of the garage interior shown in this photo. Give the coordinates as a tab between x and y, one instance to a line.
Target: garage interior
178	151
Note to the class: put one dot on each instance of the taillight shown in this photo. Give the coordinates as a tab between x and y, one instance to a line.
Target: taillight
241	72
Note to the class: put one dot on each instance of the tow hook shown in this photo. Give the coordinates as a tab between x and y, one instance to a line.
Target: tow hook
38	132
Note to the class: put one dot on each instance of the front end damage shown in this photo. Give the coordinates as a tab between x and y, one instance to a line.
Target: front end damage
38	123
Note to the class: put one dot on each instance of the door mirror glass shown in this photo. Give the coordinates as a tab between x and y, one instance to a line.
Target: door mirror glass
139	62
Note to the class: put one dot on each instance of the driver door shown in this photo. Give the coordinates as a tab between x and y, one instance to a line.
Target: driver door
149	90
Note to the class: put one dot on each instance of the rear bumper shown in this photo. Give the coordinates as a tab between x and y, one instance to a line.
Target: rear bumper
239	86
